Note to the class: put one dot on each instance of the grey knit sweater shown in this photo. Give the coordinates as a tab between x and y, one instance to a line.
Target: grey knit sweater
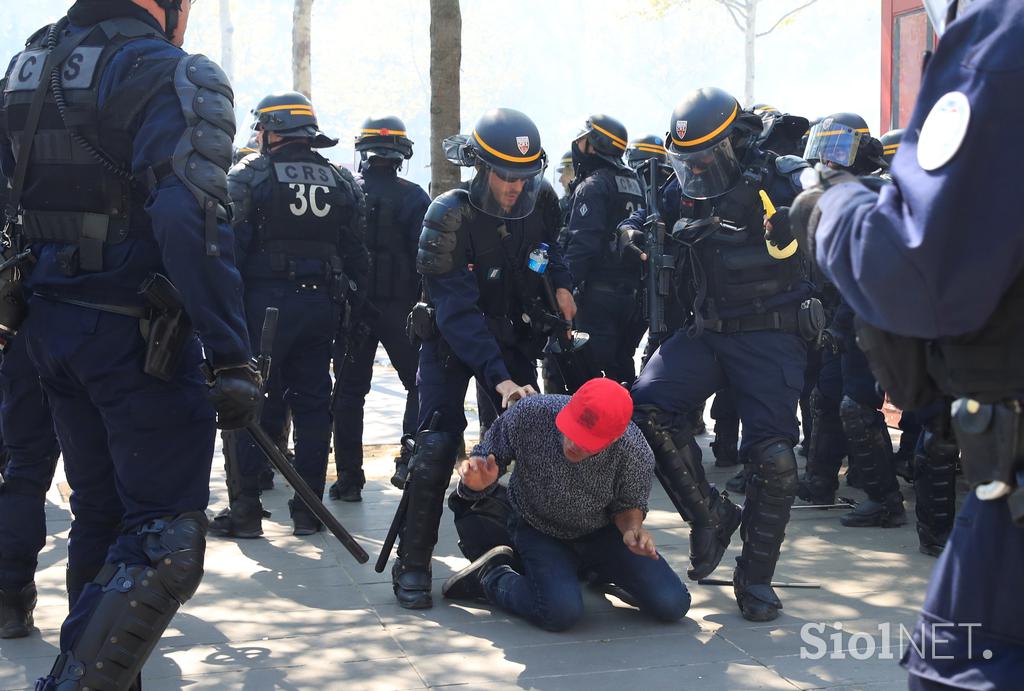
557	497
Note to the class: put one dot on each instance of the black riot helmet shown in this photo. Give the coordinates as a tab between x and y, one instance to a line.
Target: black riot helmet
644	148
291	115
505	150
700	146
843	140
384	137
607	135
891	144
252	146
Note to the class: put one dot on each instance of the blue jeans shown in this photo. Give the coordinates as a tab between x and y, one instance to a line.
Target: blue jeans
548	593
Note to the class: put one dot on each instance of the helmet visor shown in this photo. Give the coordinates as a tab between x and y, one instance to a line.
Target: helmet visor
504	192
706	173
831	142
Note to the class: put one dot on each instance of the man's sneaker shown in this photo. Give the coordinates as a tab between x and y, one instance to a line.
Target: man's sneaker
467	584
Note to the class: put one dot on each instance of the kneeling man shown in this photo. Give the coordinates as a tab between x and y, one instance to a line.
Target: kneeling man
578	494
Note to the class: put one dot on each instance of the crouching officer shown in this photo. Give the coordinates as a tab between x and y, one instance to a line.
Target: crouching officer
605	269
299	238
743	333
959	336
394	217
117	143
483	311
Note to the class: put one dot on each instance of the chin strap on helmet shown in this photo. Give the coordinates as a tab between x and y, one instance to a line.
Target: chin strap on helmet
172	12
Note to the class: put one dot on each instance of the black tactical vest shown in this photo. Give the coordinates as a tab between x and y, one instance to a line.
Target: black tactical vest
78	188
498	252
625	195
308	205
739	271
393	275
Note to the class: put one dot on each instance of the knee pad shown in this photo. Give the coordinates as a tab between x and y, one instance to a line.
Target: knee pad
774	467
432	462
135	604
857	416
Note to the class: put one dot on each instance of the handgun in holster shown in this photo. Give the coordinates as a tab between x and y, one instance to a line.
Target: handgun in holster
168	328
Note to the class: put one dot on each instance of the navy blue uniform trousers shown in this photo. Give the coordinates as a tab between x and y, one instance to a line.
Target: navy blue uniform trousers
764	370
300	367
135	448
32	446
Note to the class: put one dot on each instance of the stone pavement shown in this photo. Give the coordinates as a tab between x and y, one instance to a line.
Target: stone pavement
300	613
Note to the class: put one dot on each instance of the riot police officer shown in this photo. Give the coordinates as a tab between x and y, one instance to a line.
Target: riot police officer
299	239
473	254
394	217
645	148
848	404
782	133
746	330
956	332
566	176
606	273
117	144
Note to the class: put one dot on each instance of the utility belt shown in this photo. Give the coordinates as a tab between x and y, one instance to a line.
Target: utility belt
164	325
85	234
991	440
806	320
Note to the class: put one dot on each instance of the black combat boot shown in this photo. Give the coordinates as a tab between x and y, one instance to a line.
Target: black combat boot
303	521
16	611
242	519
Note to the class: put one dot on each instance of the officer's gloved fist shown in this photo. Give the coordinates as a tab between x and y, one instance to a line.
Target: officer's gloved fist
630	244
804	213
777	229
235	393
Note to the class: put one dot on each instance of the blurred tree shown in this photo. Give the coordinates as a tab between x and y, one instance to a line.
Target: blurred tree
445	97
744	16
302	26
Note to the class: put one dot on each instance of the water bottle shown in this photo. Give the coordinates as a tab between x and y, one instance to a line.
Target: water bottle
539	258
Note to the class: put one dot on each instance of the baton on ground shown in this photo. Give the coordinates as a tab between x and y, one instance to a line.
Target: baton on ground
280	461
774	584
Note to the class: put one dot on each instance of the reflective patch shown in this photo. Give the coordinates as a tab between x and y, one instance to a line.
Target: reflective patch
494	274
307	173
628	186
583	209
944	130
77	73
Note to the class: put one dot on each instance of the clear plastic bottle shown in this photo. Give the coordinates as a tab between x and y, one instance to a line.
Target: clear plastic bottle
539	258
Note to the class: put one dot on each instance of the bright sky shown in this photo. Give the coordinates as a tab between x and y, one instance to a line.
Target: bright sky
556	60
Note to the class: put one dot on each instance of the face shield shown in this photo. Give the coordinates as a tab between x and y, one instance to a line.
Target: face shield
507	193
706	173
832	142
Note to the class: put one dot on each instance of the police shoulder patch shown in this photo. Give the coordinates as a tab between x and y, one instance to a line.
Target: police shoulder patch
944	130
583	209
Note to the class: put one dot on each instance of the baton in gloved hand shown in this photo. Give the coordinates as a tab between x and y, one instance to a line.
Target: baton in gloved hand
280	461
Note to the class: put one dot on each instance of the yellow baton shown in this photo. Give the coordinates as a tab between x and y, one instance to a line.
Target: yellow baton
769	211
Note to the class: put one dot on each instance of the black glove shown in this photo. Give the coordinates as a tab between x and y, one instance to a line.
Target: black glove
780	234
236	393
804	213
832	342
629	244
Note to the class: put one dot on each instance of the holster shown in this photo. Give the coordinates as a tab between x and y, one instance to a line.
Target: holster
991	439
421	324
169	327
900	365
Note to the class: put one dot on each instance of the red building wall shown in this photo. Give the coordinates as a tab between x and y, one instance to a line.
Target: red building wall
906	35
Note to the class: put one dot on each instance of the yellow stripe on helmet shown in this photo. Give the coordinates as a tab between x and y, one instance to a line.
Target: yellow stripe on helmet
711	135
619	142
296	108
504	157
650	148
384	132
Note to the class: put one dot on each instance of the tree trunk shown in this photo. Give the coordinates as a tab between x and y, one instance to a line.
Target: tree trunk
748	53
302	25
227	38
445	98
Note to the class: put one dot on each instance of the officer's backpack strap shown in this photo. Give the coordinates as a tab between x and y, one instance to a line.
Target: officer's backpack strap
440	234
248	174
203	154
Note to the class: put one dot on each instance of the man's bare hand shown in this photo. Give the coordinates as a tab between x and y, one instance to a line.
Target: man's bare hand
479	473
511	392
640	542
566	304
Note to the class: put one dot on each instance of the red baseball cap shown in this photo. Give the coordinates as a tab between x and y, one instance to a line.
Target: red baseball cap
596	415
